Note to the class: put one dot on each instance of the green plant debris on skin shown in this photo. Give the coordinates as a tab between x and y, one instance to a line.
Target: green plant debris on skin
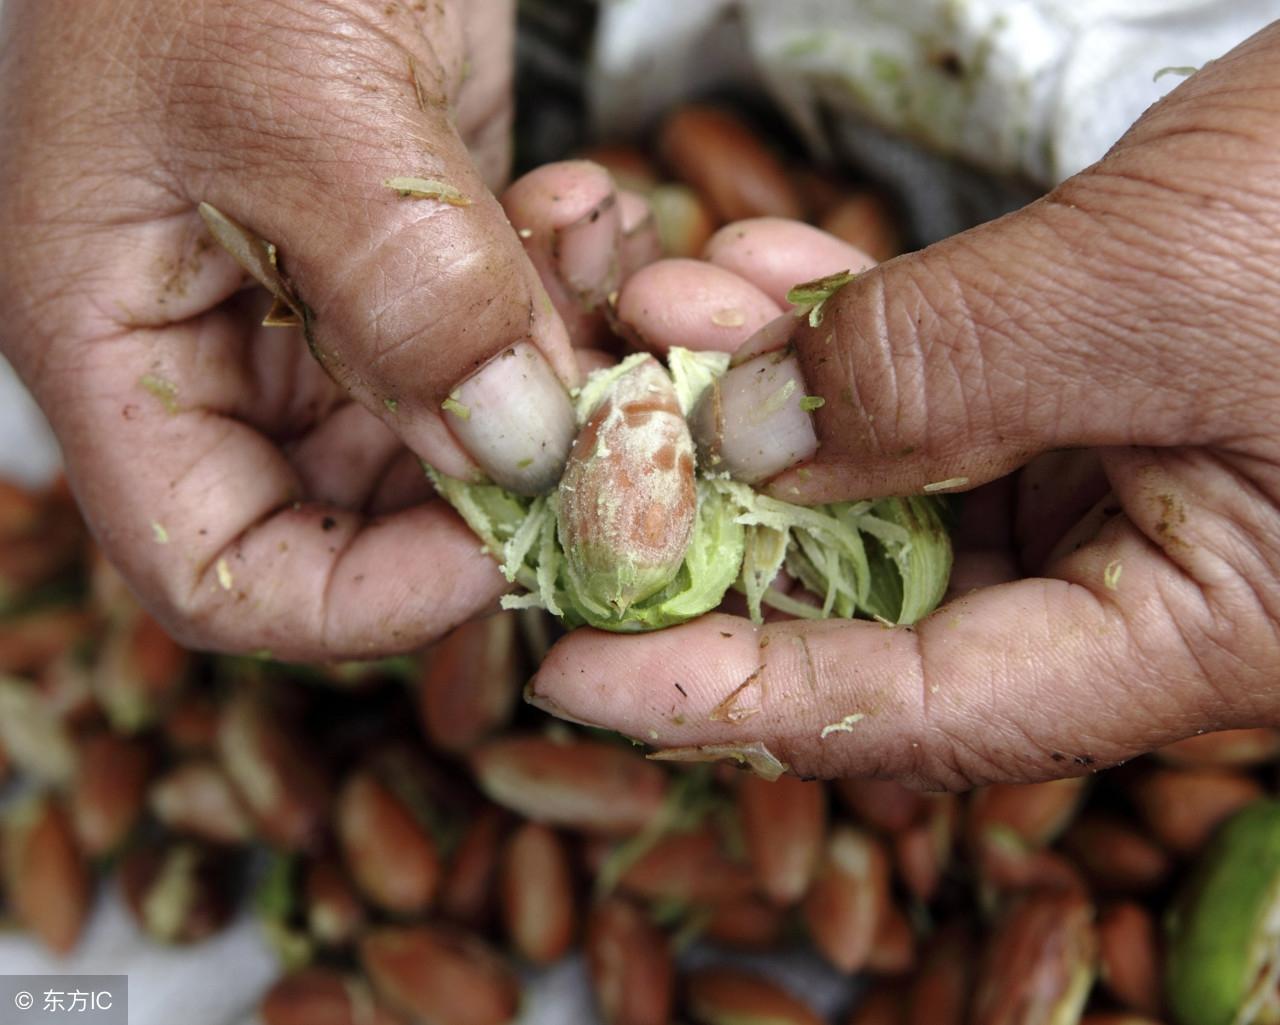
945	485
452	405
166	391
886	559
810	297
845	725
811	402
1111	575
391	404
1181	70
426	188
159	532
754	756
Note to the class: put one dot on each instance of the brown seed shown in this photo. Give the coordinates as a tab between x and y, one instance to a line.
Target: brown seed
784	824
882	804
745	924
1005	863
628	500
274	771
718	155
108	792
849	898
1224	749
629	166
537	894
884	1003
866	221
139	670
1115	854
1036	812
725	996
629	961
577	784
334	912
893	952
191	724
195	797
31	639
1039	963
323	996
923	851
178	891
1129	956
688	868
391	857
470	683
683	220
941	991
467	891
1183	807
46	877
440	975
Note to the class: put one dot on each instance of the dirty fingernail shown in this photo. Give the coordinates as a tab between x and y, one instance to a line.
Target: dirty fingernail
756	421
515	420
586	253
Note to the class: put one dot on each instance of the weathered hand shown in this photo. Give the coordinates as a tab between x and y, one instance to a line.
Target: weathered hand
1132	313
255	496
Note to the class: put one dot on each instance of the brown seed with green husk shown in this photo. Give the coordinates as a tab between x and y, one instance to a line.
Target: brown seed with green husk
178	891
628	500
1039	963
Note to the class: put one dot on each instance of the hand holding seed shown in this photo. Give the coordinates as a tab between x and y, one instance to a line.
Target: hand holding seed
1114	341
261	489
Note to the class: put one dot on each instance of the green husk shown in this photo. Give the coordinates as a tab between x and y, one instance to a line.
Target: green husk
887	559
1224	927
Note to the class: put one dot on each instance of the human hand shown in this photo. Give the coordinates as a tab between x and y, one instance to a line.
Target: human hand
1131	312
257	497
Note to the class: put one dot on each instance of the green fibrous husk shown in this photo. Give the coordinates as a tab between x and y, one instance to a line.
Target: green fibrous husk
887	559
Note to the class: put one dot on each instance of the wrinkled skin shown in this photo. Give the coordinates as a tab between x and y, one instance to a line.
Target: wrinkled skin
1132	313
252	498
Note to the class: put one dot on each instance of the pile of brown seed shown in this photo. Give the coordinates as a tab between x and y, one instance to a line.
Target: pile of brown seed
411	832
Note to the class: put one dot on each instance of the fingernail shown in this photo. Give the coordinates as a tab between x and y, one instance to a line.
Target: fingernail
639	244
586	253
552	707
514	418
752	422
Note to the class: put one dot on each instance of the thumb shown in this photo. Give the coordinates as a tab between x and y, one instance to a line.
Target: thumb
1125	308
410	284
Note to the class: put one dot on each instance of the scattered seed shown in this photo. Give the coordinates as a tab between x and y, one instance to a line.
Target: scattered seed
224	574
